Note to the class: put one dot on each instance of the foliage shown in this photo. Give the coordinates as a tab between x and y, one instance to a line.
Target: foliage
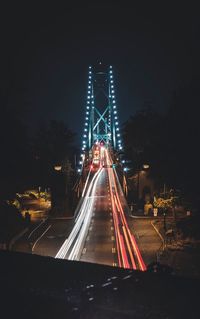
27	161
160	202
168	142
189	227
52	145
11	220
15	151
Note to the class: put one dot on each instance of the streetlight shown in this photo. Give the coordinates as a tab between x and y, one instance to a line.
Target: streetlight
125	188
57	168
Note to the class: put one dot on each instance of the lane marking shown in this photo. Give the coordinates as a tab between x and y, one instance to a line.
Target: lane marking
40	237
36	228
84	250
113	250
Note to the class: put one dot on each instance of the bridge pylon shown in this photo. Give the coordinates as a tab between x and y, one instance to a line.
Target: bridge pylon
101	115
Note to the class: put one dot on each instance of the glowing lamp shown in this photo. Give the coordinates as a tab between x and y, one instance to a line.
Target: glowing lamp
57	168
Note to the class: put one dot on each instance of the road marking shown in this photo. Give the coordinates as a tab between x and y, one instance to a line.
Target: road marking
112	228
114	265
113	250
90	228
88	238
112	238
36	228
40	237
84	250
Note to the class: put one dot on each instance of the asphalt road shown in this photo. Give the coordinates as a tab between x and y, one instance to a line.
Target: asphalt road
102	231
46	238
100	244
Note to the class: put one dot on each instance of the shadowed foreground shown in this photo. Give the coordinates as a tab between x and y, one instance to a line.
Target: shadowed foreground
43	287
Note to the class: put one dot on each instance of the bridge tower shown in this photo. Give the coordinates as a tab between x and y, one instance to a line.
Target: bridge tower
101	116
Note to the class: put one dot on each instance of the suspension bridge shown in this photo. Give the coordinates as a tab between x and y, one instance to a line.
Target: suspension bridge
101	231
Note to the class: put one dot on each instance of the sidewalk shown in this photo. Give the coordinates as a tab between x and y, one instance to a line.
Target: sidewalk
183	255
147	238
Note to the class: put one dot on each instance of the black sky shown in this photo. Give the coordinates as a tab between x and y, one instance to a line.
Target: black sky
46	49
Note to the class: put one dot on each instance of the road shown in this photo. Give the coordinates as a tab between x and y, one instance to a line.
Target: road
101	231
46	238
100	244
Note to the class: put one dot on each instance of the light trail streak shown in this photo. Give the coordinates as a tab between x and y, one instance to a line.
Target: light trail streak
124	238
124	254
79	232
132	239
118	241
137	251
78	246
86	182
120	251
87	195
129	248
116	222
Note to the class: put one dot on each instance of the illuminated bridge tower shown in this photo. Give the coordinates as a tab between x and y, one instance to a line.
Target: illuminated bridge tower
101	116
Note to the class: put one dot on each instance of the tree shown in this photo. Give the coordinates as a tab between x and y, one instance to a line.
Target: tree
169	143
143	136
15	151
52	145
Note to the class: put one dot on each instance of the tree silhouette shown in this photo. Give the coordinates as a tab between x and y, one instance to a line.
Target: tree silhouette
169	143
52	145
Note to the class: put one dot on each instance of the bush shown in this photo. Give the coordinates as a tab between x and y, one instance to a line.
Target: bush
189	227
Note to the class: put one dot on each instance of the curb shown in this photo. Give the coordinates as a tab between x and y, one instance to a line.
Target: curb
142	217
159	234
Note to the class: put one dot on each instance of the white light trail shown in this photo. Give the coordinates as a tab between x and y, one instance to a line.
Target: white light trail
86	183
79	232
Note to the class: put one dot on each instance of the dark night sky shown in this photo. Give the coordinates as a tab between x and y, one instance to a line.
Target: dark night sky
46	50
